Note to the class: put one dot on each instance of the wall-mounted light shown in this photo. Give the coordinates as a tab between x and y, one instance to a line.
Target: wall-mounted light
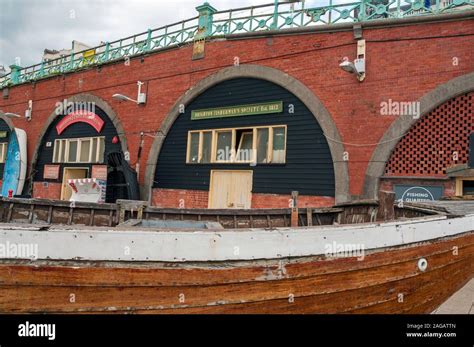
141	97
358	66
27	112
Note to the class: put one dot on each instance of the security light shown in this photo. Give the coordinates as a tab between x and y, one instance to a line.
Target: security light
348	66
357	67
141	97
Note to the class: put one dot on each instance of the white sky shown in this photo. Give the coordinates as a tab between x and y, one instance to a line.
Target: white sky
27	27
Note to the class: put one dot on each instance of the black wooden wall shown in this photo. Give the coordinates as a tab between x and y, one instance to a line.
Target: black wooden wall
308	168
76	130
3	127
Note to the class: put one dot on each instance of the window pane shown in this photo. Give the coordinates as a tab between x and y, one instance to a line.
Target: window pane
94	149
194	148
101	149
206	147
72	152
56	151
62	151
278	145
224	144
85	150
245	147
5	150
262	145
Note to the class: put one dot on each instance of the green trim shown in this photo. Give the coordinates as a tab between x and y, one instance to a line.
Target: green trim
239	110
212	23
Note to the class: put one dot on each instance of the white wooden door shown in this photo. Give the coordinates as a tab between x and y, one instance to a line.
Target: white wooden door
230	189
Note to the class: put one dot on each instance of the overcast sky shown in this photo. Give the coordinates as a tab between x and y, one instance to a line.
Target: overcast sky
27	27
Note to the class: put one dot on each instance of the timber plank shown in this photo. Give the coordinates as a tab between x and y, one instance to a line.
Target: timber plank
99	274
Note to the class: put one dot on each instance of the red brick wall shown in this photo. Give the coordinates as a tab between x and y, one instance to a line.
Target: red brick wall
283	201
396	69
52	191
176	198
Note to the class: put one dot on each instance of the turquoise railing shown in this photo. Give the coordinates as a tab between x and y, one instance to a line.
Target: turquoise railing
213	23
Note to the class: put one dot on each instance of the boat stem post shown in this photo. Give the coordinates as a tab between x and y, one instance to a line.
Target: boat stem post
294	208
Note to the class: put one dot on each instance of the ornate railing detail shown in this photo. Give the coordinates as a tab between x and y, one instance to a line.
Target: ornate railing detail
212	23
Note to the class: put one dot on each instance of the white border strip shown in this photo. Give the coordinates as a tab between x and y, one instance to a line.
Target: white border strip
176	246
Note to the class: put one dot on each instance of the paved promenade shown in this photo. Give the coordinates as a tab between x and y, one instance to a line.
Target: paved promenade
461	302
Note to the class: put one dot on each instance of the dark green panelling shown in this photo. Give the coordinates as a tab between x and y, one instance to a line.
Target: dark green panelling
308	168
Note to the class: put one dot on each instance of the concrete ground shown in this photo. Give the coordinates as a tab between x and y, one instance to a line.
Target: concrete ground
461	302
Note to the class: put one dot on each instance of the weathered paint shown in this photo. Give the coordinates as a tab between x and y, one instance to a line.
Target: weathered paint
176	246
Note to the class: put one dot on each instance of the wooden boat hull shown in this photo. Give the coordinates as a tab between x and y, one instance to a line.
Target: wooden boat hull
387	281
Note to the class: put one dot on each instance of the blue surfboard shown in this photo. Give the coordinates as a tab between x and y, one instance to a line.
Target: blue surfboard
13	167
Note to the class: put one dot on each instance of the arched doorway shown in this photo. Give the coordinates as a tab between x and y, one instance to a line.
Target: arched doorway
309	165
78	144
397	135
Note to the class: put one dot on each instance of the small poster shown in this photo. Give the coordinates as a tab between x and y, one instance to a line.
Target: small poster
51	172
99	172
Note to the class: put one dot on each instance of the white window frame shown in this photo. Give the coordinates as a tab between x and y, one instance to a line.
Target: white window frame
3	152
61	150
234	152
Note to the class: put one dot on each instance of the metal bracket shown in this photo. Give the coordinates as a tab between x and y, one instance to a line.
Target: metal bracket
357	28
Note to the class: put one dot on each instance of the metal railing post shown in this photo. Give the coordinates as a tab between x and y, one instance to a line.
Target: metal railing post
274	25
205	21
15	73
362	13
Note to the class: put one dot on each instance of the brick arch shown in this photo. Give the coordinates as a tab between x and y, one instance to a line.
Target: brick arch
83	97
388	143
275	76
7	120
429	146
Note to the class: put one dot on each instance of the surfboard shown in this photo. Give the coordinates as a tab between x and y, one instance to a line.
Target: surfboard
14	173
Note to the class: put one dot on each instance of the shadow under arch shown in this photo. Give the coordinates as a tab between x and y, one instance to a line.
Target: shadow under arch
277	77
400	127
83	97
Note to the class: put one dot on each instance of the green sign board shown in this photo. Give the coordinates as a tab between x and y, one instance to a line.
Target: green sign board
236	111
3	134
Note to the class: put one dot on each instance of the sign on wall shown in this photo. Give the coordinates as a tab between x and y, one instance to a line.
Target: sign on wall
99	172
51	172
409	193
3	134
236	111
80	117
